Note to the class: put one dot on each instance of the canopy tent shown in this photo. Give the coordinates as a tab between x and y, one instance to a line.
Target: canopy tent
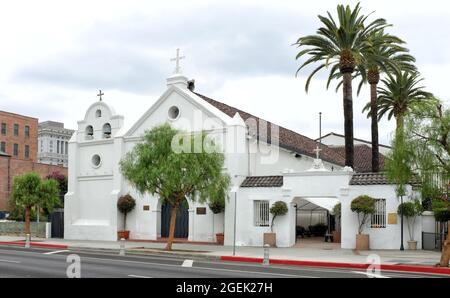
326	203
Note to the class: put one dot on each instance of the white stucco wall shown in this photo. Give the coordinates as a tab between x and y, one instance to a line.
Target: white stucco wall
380	238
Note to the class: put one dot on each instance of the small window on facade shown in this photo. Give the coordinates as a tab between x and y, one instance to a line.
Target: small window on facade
67	148
16	150
96	161
27	131
98	113
57	146
379	217
16	130
27	151
3	128
174	113
261	213
107	130
3	147
89	132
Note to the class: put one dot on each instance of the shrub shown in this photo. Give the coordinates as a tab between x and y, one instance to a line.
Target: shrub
364	206
217	206
410	210
441	210
126	204
278	208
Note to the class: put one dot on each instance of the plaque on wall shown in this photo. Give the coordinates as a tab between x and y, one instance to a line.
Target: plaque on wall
146	207
392	218
201	210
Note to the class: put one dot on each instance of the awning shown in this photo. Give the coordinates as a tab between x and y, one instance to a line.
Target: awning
326	203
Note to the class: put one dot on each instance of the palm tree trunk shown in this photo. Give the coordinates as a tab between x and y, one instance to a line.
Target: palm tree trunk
348	118
399	124
173	218
374	128
27	220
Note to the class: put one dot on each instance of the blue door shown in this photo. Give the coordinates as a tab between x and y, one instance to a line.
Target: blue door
181	224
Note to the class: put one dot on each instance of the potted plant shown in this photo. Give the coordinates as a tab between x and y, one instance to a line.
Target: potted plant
411	210
337	215
125	204
217	206
278	208
364	206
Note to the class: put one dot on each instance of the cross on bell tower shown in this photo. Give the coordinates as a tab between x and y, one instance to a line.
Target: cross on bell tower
317	151
100	94
177	62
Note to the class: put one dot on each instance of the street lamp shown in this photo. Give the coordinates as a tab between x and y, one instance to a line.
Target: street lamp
401	233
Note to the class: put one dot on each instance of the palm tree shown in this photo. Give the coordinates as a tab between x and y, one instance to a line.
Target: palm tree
398	95
341	47
383	54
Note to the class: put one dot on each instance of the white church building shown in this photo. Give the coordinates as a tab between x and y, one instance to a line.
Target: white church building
281	165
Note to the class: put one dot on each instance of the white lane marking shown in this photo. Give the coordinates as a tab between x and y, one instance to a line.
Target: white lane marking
138	276
187	263
10	261
55	252
198	268
370	274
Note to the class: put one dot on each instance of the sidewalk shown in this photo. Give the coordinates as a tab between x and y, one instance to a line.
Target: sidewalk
327	252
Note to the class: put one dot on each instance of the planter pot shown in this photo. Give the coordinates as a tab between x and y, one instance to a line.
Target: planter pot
362	242
220	238
412	245
336	236
123	234
271	239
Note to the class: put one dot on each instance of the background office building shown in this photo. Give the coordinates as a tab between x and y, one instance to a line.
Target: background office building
18	136
53	143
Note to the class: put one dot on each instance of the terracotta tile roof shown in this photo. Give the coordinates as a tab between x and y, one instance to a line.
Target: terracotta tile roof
356	139
263	181
374	179
288	139
363	158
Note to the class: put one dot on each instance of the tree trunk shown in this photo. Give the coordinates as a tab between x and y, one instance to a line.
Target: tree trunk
125	221
27	220
374	128
445	257
173	218
399	124
348	118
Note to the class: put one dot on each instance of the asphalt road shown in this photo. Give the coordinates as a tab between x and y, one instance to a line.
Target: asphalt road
50	263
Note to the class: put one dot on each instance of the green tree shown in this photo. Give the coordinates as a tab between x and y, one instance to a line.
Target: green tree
411	210
400	92
154	167
364	207
29	191
279	208
384	54
340	46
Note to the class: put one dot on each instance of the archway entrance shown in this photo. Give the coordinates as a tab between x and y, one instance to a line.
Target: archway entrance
313	220
182	222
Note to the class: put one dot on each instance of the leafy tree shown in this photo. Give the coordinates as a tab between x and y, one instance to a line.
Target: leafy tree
364	206
154	167
278	208
29	191
411	210
340	46
126	204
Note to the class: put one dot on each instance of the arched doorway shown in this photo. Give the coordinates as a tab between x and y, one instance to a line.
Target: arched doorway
181	224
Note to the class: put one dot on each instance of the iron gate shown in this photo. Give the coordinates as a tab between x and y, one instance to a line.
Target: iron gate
181	224
57	221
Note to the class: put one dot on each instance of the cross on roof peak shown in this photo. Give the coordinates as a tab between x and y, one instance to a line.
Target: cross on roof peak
177	62
317	151
100	94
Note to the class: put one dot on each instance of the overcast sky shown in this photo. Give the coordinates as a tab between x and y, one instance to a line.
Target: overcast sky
55	55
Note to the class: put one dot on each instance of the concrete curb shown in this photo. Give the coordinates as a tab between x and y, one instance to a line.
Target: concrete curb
147	252
35	244
402	268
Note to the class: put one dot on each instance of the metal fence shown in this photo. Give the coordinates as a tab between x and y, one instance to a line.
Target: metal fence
432	241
